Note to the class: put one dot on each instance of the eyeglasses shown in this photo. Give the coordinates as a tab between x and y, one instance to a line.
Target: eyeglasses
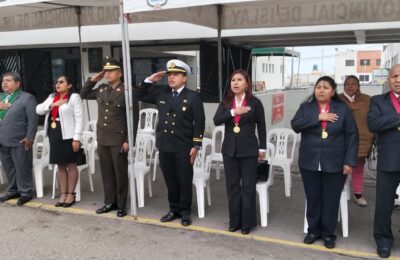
60	82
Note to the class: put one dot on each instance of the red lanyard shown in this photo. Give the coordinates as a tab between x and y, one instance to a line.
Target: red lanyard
395	102
324	123
236	118
54	111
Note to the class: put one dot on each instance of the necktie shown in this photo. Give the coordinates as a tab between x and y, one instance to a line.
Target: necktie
174	93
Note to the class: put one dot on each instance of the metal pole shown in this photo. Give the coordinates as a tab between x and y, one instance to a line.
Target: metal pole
219	11
291	77
298	71
126	57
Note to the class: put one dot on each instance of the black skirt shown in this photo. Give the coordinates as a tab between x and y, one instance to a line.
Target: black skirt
60	150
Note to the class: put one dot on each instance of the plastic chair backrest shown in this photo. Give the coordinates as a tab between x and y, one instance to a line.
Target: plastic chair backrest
43	142
280	138
147	120
91	126
217	139
88	138
202	162
144	142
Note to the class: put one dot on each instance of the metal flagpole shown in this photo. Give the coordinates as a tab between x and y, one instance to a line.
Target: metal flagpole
129	104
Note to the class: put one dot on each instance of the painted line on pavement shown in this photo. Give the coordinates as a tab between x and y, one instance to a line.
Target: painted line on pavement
156	222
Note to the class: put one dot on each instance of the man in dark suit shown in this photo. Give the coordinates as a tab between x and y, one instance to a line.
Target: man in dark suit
384	121
112	136
18	124
179	134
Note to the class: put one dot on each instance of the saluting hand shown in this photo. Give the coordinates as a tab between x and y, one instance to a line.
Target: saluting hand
28	143
157	76
325	116
98	76
4	106
193	153
347	169
241	110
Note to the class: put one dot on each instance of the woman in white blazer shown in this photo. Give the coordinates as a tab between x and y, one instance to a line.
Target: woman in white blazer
64	125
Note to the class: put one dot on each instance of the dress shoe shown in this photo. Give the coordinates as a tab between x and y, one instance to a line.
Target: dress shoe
171	216
22	200
245	231
311	238
8	197
329	242
69	204
383	252
121	213
106	208
186	220
233	229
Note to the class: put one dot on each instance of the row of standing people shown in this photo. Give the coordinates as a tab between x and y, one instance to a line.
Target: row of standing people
328	151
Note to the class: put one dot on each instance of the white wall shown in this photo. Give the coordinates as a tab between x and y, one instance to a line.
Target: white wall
390	55
341	70
268	69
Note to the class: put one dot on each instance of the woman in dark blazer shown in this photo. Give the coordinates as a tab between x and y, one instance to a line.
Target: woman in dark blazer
241	113
328	153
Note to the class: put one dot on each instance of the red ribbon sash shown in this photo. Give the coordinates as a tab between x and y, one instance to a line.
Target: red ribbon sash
395	102
324	123
236	118
54	111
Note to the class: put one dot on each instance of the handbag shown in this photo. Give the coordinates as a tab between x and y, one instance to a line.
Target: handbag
263	171
81	157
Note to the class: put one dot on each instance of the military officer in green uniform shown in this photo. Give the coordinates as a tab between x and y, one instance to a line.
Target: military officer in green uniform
179	134
112	136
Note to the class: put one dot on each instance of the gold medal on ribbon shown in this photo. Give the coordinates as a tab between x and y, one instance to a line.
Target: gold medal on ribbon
236	129
53	124
324	134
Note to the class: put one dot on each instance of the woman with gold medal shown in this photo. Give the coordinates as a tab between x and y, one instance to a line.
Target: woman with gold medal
242	114
327	155
63	126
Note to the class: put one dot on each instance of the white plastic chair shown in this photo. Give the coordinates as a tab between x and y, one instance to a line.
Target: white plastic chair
91	126
148	118
217	138
144	147
343	210
156	157
40	160
283	157
262	189
87	145
201	175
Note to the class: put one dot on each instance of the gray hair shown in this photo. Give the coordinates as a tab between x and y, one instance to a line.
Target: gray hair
14	75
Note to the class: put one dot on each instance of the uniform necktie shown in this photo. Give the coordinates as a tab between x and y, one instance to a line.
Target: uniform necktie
174	93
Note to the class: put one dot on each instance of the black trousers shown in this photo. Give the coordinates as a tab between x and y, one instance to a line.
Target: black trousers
178	176
386	185
323	192
17	164
114	173
241	181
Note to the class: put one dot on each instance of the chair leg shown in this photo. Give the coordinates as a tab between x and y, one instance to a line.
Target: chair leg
1	177
92	162
262	197
155	167
286	175
149	184
218	170
305	220
200	197
344	214
55	171
140	189
78	187
132	191
208	192
38	172
90	180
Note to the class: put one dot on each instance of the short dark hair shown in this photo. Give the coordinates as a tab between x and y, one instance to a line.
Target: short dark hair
352	77
332	83
14	75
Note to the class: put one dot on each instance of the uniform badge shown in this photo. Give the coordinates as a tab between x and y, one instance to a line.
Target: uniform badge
183	108
101	90
162	102
118	89
185	101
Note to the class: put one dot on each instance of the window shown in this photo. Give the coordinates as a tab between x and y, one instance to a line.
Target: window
364	62
273	68
364	78
349	63
269	68
378	62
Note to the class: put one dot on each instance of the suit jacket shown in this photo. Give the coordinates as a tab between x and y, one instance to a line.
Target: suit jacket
384	122
20	121
181	120
338	149
112	127
244	143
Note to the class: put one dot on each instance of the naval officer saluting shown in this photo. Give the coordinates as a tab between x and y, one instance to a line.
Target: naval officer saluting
179	134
